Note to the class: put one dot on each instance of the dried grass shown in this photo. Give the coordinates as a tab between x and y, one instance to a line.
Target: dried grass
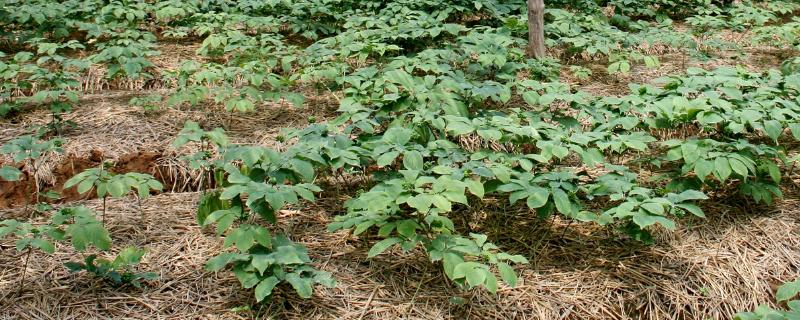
708	269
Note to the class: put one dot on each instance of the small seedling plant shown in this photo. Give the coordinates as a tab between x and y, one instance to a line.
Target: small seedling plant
29	151
107	184
209	141
119	271
77	225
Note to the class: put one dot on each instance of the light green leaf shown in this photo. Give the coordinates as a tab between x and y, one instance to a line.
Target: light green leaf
264	288
788	290
654	208
644	220
475	187
773	129
387	158
412	160
10	173
407	228
722	168
703	168
738	166
562	201
300	284
381	246
538	197
507	274
693	209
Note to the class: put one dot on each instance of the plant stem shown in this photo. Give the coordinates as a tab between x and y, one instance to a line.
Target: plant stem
141	210
104	210
35	184
24	271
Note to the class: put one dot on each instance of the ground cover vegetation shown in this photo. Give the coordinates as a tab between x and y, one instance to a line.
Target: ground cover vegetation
442	113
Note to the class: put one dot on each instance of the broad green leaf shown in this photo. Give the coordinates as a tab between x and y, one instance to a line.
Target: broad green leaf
693	209
381	246
407	228
538	197
300	284
43	245
450	261
87	230
490	282
774	172
703	168
240	237
773	129
738	166
220	261
654	208
422	202
387	158
722	168
475	187
10	173
788	290
644	220
262	262
507	274
117	188
304	168
412	160
264	288
561	200
401	77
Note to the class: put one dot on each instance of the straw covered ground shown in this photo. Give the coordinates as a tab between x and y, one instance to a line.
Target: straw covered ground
707	269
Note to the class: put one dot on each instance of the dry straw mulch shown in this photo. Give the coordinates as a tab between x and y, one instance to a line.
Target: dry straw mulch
708	269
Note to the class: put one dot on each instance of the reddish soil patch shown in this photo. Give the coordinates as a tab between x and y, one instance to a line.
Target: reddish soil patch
18	193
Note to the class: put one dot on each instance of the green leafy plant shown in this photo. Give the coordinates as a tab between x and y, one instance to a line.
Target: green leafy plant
786	294
149	103
209	141
29	150
120	270
262	260
77	224
106	184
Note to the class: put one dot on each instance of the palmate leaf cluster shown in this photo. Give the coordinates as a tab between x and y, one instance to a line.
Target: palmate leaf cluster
26	149
106	183
79	227
119	271
424	175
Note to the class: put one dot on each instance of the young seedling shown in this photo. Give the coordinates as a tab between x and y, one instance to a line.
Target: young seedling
29	150
108	184
76	224
215	138
120	271
30	237
55	85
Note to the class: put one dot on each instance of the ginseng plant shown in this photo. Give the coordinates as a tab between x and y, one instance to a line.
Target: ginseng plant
108	184
28	150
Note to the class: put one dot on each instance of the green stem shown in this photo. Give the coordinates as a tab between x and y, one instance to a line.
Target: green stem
104	210
24	271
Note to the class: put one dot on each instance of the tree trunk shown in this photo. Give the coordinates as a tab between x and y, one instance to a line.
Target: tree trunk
536	28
